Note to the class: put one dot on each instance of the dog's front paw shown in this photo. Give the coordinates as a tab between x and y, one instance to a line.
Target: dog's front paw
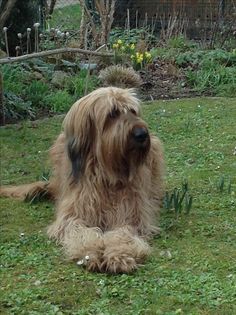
92	262
113	263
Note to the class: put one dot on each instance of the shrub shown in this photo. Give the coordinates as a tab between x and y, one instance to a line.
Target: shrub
35	93
14	77
16	108
180	42
211	71
59	102
206	58
213	79
76	85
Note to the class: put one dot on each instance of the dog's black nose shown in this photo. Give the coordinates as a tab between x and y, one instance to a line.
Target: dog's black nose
140	134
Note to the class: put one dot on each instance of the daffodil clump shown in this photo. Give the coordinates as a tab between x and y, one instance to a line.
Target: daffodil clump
138	59
120	46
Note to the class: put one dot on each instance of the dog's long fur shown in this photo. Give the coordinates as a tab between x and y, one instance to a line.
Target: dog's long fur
106	185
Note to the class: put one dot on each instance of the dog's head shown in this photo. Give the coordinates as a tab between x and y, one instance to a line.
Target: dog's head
104	130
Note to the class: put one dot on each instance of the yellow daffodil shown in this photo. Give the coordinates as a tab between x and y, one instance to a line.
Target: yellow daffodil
148	55
140	59
132	46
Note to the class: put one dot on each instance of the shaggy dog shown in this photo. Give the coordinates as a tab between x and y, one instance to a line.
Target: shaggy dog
107	182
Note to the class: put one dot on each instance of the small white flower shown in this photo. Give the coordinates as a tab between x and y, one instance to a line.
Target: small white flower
67	34
80	262
28	29
36	24
5	29
37	282
22	234
86	257
211	140
19	35
39	151
166	253
199	106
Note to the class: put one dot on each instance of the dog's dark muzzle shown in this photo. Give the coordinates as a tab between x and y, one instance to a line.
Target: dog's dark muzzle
140	134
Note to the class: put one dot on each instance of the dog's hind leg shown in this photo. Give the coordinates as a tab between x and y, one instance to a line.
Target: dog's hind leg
124	250
40	189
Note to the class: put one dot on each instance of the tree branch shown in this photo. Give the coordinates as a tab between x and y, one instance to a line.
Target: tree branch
54	52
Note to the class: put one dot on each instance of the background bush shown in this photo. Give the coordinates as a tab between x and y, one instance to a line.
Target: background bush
59	102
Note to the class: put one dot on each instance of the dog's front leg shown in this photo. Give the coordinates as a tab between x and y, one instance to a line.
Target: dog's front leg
124	250
80	243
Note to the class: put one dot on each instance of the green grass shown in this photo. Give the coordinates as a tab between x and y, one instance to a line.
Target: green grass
66	18
192	268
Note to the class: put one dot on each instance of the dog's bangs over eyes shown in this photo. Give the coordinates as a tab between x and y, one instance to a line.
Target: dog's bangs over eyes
115	112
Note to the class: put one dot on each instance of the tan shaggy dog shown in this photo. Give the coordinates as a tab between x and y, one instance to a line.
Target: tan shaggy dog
107	182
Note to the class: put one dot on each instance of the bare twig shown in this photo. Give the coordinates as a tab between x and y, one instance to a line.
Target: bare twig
128	21
106	11
136	19
54	52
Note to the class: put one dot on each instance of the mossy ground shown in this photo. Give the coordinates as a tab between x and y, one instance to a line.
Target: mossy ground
192	268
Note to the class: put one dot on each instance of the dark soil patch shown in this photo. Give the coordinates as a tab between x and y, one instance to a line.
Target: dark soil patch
163	80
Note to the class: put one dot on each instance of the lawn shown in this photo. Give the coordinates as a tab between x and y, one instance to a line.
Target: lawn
66	18
192	268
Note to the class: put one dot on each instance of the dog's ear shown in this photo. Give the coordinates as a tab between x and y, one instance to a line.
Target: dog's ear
79	147
80	133
78	154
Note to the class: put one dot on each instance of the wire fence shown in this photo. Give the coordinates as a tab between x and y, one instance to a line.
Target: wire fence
196	13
